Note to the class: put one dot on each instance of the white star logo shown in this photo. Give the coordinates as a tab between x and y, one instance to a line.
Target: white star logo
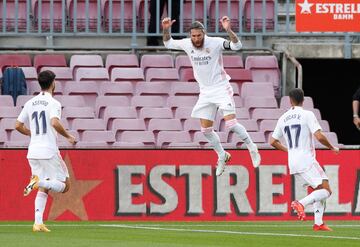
305	7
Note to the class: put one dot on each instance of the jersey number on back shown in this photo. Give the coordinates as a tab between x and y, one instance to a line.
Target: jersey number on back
37	118
297	129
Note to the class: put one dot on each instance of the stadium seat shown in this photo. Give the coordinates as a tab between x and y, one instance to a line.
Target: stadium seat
160	74
17	140
257	137
260	101
62	73
259	114
58	11
96	138
264	69
7	124
22	99
324	125
259	16
233	61
242	113
192	124
150	112
89	61
184	88
235	88
285	103
88	124
3	137
10	21
117	16
127	74
249	89
30	73
14	60
232	11
148	101
6	100
182	61
249	124
156	61
85	18
164	124
71	100
135	139
103	101
121	60
332	137
183	112
172	139
187	74
115	88
239	75
127	125
34	88
181	101
153	88
267	126
92	74
64	143
89	91
49	60
9	111
71	112
116	112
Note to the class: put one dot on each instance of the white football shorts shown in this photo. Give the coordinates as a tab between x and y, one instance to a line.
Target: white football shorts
54	168
314	176
209	102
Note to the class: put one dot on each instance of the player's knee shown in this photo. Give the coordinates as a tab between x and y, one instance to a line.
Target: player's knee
229	124
208	130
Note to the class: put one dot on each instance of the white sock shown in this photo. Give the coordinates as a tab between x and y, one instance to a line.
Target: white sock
214	140
240	130
40	203
319	208
315	196
53	185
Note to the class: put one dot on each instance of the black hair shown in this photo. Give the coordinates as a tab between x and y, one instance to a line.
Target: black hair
45	79
297	96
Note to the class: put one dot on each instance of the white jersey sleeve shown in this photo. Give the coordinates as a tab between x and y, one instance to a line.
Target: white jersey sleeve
23	115
277	134
313	123
55	111
175	44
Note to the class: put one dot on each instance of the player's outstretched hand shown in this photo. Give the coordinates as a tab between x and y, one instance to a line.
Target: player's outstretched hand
225	22
167	23
336	150
71	139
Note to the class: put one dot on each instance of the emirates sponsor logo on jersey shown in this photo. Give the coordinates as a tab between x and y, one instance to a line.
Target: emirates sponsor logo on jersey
328	16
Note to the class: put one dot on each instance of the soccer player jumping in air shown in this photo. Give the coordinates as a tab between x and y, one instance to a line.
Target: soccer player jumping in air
205	54
298	126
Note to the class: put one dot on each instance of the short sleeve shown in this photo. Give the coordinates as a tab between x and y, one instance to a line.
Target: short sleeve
277	134
23	115
55	111
175	44
313	123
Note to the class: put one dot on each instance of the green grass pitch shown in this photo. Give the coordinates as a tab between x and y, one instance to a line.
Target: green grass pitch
179	234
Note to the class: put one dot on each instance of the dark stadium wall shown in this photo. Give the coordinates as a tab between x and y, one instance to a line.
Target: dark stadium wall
331	83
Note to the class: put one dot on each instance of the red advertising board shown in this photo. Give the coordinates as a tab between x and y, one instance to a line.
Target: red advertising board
327	16
177	185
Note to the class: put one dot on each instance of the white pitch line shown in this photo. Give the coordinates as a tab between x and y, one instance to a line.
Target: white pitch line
232	232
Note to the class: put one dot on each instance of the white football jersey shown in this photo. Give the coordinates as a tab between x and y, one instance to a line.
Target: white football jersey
207	62
298	126
39	111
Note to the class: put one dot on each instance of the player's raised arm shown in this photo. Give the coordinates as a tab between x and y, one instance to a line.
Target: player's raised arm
166	25
235	43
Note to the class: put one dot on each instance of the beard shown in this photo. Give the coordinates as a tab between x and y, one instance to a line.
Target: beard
199	44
